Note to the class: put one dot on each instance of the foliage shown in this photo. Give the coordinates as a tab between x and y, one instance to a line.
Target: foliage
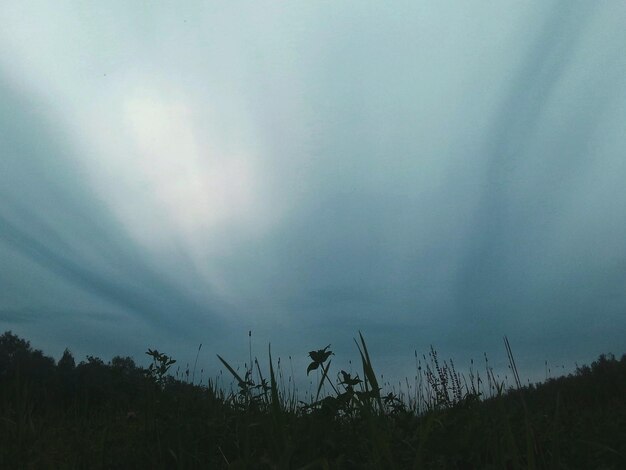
161	364
120	415
67	362
18	357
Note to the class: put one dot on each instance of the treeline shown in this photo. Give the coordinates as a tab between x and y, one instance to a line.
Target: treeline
90	383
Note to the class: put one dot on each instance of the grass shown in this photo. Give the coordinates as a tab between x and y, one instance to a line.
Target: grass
119	415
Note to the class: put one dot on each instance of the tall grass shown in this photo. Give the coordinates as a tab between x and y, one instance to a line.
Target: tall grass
118	415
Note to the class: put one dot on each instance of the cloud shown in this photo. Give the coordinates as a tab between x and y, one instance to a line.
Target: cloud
429	173
515	247
49	217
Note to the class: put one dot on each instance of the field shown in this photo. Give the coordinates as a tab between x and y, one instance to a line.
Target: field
119	415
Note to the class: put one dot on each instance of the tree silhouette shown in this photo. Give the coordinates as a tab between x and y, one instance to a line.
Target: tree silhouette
67	362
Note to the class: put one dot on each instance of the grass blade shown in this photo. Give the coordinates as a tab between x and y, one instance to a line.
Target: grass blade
324	376
368	371
242	383
274	388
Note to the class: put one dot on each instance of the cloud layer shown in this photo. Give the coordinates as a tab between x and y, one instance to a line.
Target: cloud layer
428	173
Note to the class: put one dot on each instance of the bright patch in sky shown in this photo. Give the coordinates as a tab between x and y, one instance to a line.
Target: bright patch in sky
191	187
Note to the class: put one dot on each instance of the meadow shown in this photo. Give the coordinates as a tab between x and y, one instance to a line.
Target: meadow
92	414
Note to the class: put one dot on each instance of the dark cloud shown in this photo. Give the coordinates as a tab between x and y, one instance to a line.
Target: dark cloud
510	225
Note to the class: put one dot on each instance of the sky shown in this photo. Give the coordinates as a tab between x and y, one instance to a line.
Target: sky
424	172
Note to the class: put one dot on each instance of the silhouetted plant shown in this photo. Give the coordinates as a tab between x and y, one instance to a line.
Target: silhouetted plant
161	364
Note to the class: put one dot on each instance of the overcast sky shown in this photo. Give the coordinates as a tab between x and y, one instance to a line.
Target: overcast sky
427	172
